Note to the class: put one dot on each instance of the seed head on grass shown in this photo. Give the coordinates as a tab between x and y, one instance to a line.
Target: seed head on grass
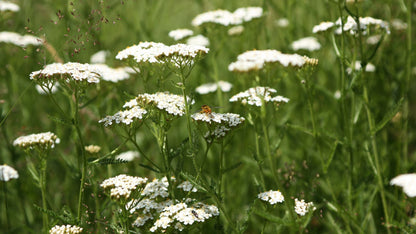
7	173
65	229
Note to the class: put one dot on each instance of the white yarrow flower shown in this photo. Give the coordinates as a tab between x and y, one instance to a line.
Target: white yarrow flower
272	197
301	207
180	34
65	229
307	43
19	40
44	140
99	57
198	40
8	6
407	182
254	96
212	87
7	173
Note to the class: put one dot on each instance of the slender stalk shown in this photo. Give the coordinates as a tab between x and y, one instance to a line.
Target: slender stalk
262	175
376	157
4	183
405	138
188	116
225	214
42	185
221	167
83	155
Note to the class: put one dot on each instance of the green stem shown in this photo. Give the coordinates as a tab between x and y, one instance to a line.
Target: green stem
376	157
221	167
225	214
42	185
83	155
405	139
257	158
4	183
188	116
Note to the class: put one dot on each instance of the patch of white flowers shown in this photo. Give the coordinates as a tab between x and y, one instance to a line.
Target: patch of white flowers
69	71
254	96
122	186
407	182
7	173
302	207
226	18
254	60
44	140
170	103
65	229
307	43
212	87
272	197
180	34
19	40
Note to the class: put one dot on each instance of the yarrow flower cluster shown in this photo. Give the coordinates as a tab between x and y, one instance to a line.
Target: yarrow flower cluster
218	124
152	52
357	66
301	207
407	182
351	26
178	215
99	57
254	60
170	103
212	87
110	74
122	185
67	72
92	149
187	186
307	43
132	112
44	140
65	229
226	18
198	40
272	197
254	96
8	6
7	173
19	40
157	188
128	156
180	34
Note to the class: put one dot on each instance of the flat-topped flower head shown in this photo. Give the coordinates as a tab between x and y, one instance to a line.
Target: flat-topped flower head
218	124
128	156
212	87
127	116
156	188
307	43
67	72
65	229
99	57
187	186
323	27
122	186
171	104
8	6
254	60
19	40
407	182
92	149
110	74
271	197
226	18
198	40
302	207
254	96
177	216
183	51
180	34
144	52
7	173
45	140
